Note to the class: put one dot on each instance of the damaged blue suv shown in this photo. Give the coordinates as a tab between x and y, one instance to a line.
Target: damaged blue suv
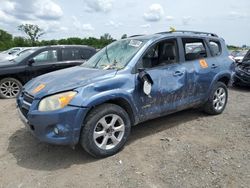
129	81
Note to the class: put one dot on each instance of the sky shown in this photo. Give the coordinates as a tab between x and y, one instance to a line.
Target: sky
229	19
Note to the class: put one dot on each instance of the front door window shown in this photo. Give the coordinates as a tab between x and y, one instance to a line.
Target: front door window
46	56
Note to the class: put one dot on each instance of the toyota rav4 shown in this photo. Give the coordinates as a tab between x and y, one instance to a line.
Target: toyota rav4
126	83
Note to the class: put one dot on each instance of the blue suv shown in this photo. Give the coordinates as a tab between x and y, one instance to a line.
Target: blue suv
128	82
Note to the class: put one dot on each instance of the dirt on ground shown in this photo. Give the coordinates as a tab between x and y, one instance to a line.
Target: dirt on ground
186	149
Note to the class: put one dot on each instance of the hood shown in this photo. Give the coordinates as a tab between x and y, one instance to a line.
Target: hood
7	63
65	80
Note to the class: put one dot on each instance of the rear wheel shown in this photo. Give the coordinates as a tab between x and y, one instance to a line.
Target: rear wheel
9	88
106	130
217	100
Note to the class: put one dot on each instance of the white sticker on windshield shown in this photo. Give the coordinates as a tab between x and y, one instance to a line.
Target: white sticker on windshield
135	43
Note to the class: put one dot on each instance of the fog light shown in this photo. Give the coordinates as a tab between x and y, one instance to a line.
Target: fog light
56	131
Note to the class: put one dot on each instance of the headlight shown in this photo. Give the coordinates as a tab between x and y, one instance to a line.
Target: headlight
56	102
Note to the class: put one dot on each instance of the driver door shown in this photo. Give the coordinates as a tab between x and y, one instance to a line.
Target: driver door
161	64
44	62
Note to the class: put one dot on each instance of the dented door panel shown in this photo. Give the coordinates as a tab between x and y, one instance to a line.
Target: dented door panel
204	77
167	93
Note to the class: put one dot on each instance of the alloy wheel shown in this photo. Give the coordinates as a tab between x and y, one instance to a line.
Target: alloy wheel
219	100
9	89
109	131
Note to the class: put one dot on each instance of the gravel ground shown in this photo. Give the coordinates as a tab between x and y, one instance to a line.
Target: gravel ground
186	149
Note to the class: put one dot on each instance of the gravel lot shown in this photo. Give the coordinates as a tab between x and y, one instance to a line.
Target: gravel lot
186	149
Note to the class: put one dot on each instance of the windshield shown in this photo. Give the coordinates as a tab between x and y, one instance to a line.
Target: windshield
115	55
22	56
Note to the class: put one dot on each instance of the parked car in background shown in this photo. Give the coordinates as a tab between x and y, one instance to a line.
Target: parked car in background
6	56
128	82
11	50
242	71
37	61
239	55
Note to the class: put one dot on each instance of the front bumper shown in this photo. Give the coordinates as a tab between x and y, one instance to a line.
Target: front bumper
60	127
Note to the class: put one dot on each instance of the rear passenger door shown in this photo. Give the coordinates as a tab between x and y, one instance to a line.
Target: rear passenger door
168	93
197	52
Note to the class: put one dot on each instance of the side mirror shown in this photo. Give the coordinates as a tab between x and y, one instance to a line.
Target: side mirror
31	61
147	81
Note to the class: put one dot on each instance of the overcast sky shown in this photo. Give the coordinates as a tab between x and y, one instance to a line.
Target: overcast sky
82	18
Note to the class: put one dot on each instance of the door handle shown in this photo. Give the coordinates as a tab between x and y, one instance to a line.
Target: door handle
178	73
214	66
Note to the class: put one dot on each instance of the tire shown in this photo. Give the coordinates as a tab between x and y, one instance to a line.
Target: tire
98	129
217	100
10	88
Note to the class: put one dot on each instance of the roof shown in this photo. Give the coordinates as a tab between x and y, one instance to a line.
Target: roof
63	46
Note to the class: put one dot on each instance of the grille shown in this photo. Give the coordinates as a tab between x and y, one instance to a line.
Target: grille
28	98
27	101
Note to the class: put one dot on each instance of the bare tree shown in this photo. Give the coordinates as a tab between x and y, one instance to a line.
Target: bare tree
33	31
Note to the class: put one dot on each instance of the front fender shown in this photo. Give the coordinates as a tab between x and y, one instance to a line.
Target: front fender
117	94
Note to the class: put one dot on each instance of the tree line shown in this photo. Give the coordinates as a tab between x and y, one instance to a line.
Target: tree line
33	33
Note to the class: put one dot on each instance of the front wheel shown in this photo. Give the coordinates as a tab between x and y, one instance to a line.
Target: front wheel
9	88
106	130
217	100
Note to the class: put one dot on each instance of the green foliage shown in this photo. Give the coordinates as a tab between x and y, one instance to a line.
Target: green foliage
21	42
231	47
7	41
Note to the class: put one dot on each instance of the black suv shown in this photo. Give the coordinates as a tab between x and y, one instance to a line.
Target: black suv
37	61
242	71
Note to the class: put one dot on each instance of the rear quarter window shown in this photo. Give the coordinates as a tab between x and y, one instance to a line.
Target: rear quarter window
215	48
86	53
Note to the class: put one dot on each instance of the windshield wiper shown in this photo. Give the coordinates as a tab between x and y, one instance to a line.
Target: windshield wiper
106	51
112	66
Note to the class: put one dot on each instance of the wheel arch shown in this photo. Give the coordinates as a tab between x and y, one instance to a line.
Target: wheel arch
13	76
120	101
224	77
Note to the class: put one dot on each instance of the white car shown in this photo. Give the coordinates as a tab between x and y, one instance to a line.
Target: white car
12	53
239	56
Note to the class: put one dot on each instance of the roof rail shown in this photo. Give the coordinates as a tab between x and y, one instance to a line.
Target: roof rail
194	32
134	36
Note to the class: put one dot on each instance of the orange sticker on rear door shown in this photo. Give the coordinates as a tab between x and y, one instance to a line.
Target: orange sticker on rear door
203	63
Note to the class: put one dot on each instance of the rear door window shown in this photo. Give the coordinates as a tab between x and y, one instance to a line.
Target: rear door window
69	54
194	48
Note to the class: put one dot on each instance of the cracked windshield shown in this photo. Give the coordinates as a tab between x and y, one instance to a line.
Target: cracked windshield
115	55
